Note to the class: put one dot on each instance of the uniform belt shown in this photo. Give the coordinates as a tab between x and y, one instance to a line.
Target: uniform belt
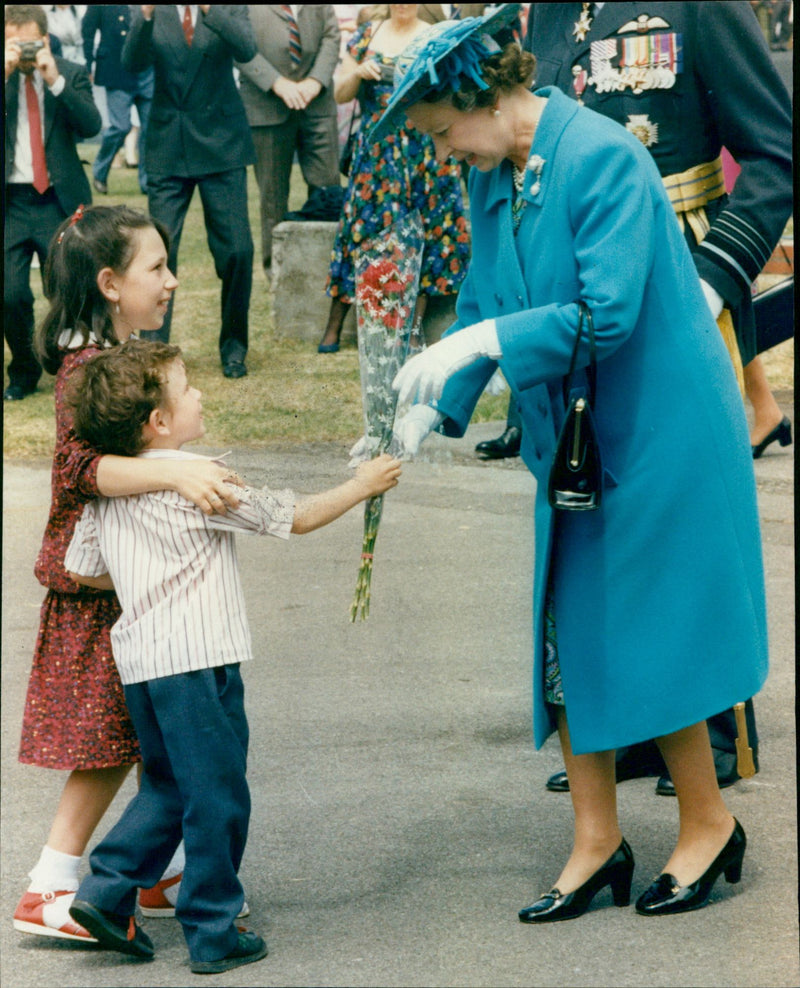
690	191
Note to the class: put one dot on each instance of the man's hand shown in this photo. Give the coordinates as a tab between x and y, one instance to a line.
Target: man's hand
290	92
12	56
310	89
46	64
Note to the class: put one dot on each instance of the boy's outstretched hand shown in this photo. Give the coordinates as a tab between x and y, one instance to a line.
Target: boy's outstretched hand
380	474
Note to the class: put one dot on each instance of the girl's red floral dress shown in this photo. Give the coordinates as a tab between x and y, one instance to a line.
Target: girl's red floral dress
75	714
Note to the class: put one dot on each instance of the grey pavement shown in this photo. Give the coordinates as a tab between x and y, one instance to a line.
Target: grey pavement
400	818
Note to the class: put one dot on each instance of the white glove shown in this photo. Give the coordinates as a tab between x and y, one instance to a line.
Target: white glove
422	379
418	422
359	453
715	301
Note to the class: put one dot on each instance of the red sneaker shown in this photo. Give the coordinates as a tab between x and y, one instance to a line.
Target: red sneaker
47	914
159	901
161	898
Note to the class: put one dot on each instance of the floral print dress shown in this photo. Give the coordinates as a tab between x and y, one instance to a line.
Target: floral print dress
392	177
75	714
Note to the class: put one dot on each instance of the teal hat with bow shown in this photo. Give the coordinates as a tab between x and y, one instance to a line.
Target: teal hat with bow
440	59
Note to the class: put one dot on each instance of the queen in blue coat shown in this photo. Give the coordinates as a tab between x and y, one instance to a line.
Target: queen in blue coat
649	613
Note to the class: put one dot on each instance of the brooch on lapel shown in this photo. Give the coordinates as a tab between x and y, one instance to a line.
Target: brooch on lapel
535	164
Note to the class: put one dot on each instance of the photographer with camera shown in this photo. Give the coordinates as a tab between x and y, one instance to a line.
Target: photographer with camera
48	106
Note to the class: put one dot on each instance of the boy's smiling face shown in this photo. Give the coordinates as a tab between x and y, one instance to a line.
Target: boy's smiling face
182	411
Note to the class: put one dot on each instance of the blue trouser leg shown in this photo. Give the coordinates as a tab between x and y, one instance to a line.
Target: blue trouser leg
193	734
119	105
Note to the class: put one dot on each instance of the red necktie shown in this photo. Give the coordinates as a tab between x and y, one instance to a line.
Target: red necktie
40	180
295	50
188	30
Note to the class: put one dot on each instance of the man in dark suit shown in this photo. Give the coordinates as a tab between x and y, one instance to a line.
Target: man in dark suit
701	78
123	89
198	137
287	91
48	105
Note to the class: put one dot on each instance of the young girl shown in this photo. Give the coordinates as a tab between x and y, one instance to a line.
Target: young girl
106	277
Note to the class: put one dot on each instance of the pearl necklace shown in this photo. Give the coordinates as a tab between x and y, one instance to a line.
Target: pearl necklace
519	177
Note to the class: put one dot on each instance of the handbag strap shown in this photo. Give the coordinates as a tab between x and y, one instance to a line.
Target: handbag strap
584	316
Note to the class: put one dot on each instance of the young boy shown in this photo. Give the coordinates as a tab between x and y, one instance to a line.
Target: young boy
178	645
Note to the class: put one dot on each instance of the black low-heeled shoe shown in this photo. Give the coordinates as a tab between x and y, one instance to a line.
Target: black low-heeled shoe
782	432
665	896
616	872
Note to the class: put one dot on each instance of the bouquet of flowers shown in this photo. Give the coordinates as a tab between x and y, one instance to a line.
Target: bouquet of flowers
387	282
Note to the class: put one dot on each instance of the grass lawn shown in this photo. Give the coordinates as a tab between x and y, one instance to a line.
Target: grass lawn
291	393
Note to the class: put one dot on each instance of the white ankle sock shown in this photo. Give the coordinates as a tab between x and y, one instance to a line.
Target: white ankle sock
55	871
176	865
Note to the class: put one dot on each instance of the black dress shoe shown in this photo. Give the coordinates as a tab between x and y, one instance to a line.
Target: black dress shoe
616	872
725	765
665	896
249	947
16	392
782	432
234	368
636	762
101	187
118	933
558	782
504	446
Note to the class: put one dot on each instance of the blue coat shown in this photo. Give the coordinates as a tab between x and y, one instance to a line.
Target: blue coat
659	595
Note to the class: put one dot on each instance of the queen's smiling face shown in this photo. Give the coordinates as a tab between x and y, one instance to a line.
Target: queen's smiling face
476	136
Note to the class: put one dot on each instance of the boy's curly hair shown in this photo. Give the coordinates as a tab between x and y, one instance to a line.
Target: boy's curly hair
112	395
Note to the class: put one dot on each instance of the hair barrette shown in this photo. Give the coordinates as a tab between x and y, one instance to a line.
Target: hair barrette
77	215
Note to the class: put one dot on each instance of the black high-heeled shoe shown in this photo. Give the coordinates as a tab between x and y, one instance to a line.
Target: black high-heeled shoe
616	872
782	432
665	896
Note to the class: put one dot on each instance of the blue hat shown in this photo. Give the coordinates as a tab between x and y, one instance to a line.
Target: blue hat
439	59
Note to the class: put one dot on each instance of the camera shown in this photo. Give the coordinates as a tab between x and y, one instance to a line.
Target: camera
28	50
387	73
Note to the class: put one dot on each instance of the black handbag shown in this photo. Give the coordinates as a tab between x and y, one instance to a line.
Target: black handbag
576	475
346	157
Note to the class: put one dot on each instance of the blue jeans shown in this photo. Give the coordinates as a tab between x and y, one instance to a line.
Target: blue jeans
193	732
119	103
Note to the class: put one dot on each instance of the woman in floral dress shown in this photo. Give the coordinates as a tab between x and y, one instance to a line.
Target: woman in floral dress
393	177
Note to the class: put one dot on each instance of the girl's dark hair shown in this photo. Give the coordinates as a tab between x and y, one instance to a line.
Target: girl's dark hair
92	239
502	72
112	395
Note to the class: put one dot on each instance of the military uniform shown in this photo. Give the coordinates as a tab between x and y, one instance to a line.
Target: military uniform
687	79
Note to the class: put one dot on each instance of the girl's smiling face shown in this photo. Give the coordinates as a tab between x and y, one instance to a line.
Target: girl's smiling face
475	136
140	295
